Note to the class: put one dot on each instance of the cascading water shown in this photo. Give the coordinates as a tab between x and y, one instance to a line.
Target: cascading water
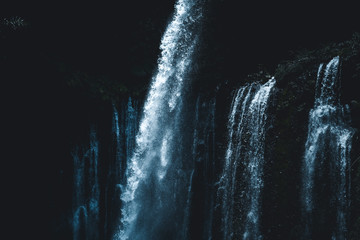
124	127
86	191
131	123
124	132
326	160
156	185
241	181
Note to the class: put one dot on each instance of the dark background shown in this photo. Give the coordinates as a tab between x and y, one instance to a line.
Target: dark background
119	40
111	36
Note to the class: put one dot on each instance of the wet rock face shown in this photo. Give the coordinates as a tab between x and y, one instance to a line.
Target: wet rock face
292	103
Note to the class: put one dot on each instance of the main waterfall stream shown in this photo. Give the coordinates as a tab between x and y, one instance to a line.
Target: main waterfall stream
155	184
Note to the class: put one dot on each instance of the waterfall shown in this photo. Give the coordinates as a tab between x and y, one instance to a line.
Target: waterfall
326	159
117	129
124	127
241	181
154	186
131	123
86	190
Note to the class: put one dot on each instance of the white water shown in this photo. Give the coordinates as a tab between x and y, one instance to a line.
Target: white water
328	144
148	194
241	182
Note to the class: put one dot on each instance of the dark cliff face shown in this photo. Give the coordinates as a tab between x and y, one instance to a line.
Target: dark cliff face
285	143
287	136
287	132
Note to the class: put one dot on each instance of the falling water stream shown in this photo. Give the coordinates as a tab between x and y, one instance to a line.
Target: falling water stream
326	159
154	187
242	181
124	127
86	190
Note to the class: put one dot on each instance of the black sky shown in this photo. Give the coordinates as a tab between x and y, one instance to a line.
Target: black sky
100	34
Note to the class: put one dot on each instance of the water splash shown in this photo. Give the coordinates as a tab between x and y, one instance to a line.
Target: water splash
241	181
